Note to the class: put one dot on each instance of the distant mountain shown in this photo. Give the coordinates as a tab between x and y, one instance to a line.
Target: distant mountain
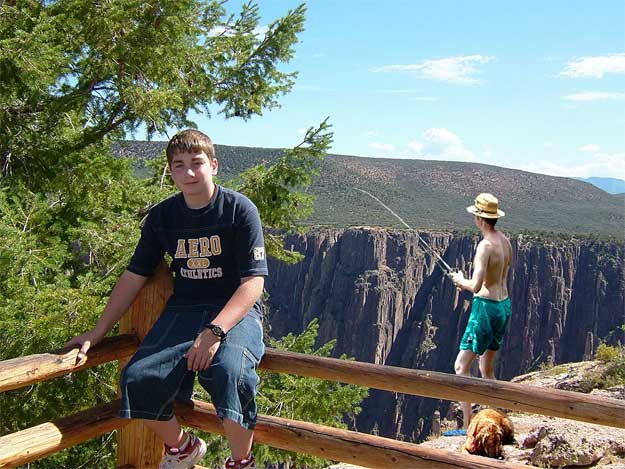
610	185
431	194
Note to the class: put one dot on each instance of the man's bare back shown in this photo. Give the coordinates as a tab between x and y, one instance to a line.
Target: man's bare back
497	252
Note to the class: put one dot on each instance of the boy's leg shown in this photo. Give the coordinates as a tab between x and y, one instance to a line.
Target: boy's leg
463	368
170	431
239	438
156	375
157	372
182	449
232	382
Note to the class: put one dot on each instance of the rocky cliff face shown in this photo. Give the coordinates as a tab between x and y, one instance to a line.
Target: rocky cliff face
386	302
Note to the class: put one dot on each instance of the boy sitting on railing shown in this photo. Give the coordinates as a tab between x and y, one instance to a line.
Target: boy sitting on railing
212	322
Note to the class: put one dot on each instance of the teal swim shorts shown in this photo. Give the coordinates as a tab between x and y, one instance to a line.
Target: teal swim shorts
487	325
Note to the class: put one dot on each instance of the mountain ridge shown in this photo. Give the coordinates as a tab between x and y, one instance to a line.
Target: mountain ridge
430	194
610	185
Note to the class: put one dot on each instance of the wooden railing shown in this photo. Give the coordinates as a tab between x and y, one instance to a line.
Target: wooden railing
139	447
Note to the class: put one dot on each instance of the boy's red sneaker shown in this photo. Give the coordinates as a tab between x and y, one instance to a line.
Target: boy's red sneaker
247	463
192	452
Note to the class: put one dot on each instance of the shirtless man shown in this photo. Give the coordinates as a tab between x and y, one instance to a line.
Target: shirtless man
490	310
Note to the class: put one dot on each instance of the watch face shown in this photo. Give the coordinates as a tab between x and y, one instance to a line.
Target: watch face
218	331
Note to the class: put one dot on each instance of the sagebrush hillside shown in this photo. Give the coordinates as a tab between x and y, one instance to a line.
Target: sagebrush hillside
433	194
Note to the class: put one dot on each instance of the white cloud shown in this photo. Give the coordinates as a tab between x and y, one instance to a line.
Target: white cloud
415	146
383	147
258	31
594	96
600	164
441	144
547	145
452	69
409	94
371	133
218	31
595	67
590	148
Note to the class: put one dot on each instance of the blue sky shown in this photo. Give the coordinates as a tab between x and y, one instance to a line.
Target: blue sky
532	85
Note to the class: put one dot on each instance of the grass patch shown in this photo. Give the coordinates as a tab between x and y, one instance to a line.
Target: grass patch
558	369
614	372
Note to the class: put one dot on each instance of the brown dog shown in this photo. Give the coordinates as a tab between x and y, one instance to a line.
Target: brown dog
487	433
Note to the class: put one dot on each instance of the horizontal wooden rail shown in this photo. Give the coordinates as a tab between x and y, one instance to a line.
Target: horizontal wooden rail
42	440
337	444
553	402
24	371
130	466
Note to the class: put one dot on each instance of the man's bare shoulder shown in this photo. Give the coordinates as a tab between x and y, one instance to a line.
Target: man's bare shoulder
485	244
484	249
505	239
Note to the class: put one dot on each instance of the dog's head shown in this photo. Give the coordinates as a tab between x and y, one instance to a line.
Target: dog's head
488	432
492	443
486	441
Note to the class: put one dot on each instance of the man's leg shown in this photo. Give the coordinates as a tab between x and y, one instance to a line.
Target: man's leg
463	368
239	439
487	364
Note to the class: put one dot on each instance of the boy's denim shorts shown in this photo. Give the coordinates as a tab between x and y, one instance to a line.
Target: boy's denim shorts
157	374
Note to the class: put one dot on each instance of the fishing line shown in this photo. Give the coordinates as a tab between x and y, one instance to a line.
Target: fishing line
448	270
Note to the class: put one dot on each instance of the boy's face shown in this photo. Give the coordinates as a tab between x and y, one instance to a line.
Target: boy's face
193	172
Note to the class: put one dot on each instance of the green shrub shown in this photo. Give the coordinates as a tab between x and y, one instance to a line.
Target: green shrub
614	372
607	353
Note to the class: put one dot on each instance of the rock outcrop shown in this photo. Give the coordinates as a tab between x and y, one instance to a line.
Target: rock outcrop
544	441
551	442
387	302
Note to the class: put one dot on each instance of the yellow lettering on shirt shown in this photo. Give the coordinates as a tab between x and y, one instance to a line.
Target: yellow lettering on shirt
193	245
205	247
181	251
215	245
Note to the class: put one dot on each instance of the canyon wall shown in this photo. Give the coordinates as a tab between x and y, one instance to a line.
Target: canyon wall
385	301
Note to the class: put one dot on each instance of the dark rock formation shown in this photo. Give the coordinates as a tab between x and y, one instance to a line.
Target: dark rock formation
387	302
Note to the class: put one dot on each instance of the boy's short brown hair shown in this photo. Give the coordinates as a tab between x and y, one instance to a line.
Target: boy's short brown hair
188	141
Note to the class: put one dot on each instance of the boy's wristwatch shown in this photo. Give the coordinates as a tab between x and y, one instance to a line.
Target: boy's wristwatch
217	331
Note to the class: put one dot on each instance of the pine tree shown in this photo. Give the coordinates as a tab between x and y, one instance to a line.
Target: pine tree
75	76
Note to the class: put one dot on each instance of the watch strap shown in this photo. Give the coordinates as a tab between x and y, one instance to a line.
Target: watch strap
217	331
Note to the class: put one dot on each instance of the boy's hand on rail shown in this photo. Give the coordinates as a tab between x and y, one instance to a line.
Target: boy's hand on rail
85	342
200	355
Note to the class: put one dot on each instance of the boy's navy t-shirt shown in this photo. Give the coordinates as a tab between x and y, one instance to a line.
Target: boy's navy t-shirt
212	247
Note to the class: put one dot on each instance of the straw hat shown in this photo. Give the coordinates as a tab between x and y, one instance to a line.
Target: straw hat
486	206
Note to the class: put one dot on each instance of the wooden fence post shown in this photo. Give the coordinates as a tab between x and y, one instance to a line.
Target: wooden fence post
137	445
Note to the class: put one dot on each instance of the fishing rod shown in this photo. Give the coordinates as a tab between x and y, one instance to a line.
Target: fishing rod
444	265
